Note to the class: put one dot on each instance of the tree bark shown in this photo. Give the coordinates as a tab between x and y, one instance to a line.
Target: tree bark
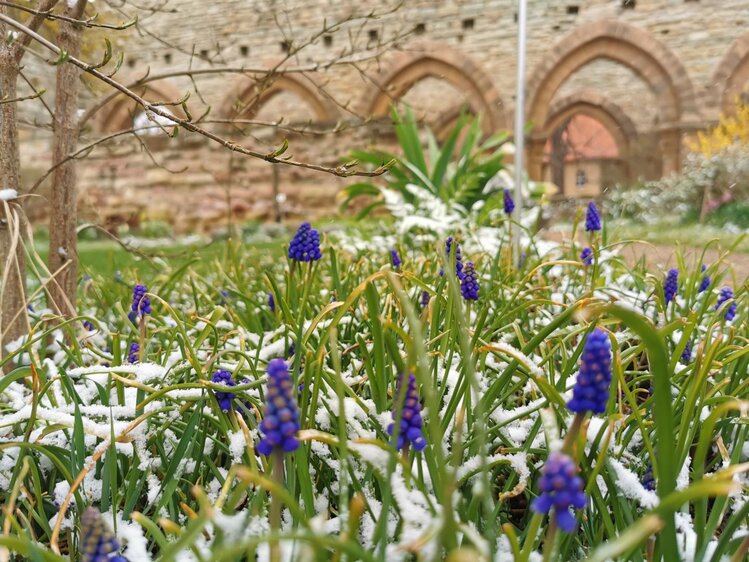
63	248
13	321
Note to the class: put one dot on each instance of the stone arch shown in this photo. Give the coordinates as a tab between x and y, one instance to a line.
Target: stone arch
436	60
594	105
731	75
254	95
629	46
118	114
598	107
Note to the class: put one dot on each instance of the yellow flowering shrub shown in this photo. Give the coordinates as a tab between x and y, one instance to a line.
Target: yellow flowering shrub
730	130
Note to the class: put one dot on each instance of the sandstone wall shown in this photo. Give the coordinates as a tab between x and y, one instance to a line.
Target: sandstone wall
655	69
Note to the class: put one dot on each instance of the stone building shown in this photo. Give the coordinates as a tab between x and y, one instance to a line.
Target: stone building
649	72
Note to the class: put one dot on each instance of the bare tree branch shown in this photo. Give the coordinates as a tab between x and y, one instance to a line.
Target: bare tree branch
48	14
33	24
37	93
151	110
249	71
24	98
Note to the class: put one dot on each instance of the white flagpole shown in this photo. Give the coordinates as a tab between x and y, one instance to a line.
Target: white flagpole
519	130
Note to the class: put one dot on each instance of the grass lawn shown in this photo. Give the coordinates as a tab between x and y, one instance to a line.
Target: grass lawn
105	257
669	233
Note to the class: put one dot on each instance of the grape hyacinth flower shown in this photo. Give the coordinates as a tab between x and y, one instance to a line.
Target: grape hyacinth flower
281	422
671	285
648	479
686	355
469	285
509	204
141	303
395	259
425	298
586	256
410	416
726	294
705	281
591	390
561	488
449	251
592	218
224	398
133	354
98	543
271	302
305	246
89	326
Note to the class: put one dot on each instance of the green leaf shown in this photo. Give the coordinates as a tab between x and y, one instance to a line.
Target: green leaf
446	154
408	138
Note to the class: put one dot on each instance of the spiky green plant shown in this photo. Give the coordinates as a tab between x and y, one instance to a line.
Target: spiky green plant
149	444
456	171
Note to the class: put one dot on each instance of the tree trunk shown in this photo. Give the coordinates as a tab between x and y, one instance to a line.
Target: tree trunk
13	320
63	251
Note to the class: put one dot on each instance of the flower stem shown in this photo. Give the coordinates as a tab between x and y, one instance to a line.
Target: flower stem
530	537
572	433
142	349
275	506
551	534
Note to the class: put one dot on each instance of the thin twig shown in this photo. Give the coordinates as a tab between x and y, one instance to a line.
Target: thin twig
33	24
273	157
24	98
48	14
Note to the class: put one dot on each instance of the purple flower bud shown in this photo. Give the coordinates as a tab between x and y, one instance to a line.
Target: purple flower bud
271	302
97	543
281	422
425	298
726	294
648	479
509	204
686	355
452	248
410	428
133	354
305	246
671	285
224	398
586	256
705	281
592	218
469	284
395	259
561	489
591	390
141	303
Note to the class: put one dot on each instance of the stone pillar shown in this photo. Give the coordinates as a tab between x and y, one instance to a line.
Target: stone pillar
535	158
669	141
